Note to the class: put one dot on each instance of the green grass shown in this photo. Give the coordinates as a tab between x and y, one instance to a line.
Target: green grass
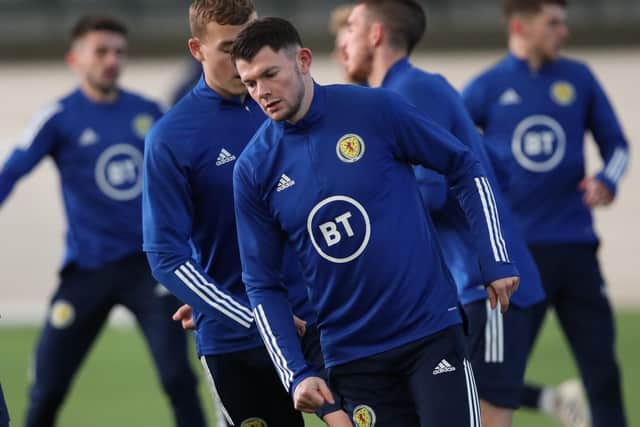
117	384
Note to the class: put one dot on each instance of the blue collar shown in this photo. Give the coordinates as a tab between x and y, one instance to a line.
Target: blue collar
313	115
204	91
523	64
400	65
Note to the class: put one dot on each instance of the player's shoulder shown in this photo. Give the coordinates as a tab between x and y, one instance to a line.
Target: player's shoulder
138	100
346	98
493	73
572	67
261	148
178	125
354	93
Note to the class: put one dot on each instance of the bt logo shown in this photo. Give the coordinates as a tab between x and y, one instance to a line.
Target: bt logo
339	228
118	172
330	229
539	143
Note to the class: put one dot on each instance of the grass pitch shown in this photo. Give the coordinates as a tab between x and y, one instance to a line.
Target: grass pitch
117	384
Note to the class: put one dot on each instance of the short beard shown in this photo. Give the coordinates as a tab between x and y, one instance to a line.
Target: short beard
295	107
104	89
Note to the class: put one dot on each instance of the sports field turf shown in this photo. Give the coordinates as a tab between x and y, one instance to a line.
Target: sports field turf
117	385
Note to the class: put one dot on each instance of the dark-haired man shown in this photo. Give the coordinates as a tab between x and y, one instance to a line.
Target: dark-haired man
190	228
330	174
95	135
382	33
535	108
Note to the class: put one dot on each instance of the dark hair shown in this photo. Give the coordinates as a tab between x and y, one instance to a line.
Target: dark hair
276	33
405	20
511	7
89	23
223	12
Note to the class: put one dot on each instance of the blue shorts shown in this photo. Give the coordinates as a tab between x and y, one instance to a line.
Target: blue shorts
428	382
499	345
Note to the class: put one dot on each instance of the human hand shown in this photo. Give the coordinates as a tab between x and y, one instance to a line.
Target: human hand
310	394
595	192
184	314
301	325
501	290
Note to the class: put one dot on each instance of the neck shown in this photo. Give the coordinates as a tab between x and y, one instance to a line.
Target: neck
383	60
98	95
521	50
306	100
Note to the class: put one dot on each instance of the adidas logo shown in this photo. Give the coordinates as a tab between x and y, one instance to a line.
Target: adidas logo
224	157
510	97
284	183
88	137
443	367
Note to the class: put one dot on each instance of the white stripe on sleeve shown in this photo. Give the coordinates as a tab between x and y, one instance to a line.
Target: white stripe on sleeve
183	274
496	217
36	124
487	218
219	293
286	374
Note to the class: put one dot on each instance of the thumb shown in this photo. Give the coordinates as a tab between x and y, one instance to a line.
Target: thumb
325	392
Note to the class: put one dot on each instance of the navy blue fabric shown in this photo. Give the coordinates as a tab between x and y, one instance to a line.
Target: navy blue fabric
378	281
78	311
434	96
189	221
534	123
97	149
248	387
499	346
578	294
4	411
403	388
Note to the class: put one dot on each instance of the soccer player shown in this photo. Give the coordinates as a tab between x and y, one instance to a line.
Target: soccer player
330	174
338	28
190	229
534	107
382	34
95	136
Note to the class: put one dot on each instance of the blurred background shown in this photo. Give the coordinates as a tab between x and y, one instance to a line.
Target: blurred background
463	38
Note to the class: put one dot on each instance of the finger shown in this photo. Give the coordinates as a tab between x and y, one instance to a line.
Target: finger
309	401
326	393
493	299
516	285
504	300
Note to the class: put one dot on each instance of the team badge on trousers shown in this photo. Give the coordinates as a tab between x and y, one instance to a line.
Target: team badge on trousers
364	416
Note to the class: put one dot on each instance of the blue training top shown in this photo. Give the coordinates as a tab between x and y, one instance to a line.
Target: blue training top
97	148
534	123
435	97
188	216
339	187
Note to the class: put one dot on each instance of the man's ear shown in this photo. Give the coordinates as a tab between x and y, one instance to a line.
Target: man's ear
70	58
194	47
376	34
515	25
304	58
